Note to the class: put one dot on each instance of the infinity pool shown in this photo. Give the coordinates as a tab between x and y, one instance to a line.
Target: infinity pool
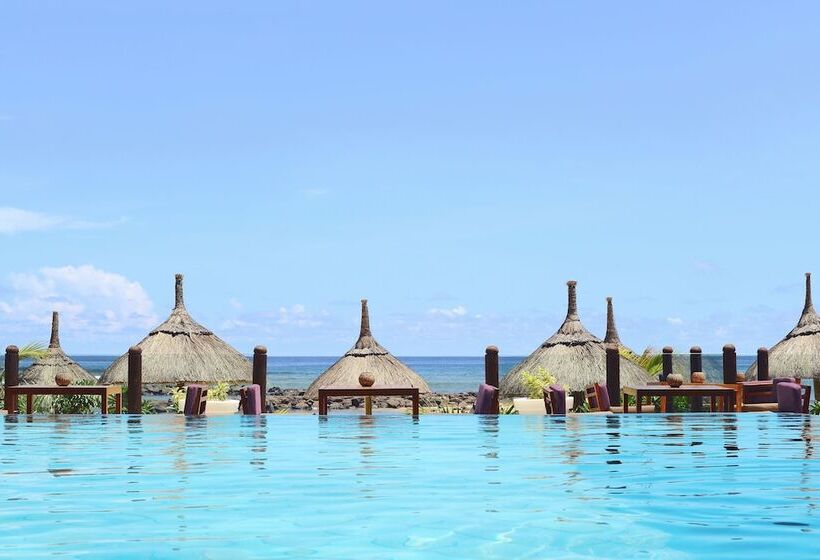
655	486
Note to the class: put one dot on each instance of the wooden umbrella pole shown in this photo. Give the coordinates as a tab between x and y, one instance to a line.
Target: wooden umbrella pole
368	405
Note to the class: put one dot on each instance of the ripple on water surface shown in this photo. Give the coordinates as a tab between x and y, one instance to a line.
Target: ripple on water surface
655	486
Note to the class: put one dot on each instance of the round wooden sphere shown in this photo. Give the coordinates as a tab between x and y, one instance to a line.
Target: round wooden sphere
367	379
62	379
698	377
674	380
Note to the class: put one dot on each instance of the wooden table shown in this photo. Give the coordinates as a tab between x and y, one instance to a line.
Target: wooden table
726	394
102	391
412	392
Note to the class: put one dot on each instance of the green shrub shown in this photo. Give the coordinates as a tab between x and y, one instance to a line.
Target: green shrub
815	407
537	382
218	392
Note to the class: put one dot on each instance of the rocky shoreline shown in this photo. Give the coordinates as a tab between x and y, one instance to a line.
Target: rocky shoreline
294	401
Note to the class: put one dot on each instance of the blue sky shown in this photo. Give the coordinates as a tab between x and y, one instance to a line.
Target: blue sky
455	163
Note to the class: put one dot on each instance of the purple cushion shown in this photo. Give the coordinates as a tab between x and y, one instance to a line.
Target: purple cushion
789	397
251	400
485	402
193	399
558	398
602	395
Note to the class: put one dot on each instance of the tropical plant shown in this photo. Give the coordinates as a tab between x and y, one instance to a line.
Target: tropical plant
31	351
76	404
649	360
815	407
537	382
510	409
219	392
177	399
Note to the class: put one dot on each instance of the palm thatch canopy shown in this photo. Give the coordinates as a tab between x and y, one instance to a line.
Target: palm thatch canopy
43	371
367	355
180	350
797	355
573	355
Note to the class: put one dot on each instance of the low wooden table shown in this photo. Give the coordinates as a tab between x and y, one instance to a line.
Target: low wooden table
102	391
726	394
412	392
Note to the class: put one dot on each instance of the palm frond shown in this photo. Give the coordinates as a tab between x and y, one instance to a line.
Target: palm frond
649	360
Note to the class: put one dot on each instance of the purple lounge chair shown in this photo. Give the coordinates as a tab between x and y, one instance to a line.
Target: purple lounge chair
486	401
195	400
558	399
792	397
250	400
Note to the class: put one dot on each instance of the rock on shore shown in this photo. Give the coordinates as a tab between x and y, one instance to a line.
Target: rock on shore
293	400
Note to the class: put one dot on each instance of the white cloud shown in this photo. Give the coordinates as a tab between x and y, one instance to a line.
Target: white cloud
705	266
17	220
314	193
296	315
89	299
674	320
458	311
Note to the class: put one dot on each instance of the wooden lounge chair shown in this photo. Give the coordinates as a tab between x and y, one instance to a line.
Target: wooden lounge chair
195	400
486	401
761	396
250	400
555	400
792	397
598	400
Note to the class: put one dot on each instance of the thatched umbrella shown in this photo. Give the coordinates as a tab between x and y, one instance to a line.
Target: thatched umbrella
573	355
55	361
367	355
797	355
181	350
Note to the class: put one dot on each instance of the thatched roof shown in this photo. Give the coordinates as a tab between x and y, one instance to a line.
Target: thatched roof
181	350
797	355
573	355
55	361
367	355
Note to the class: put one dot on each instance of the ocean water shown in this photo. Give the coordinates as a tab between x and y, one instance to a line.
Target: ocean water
444	374
390	487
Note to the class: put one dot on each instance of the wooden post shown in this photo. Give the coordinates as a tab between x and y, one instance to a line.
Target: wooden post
260	373
696	364
762	364
134	380
491	366
613	374
368	405
12	377
667	362
729	365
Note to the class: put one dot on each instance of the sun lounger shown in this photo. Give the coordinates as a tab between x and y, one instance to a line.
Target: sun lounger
761	396
195	400
486	401
598	400
250	400
555	400
792	397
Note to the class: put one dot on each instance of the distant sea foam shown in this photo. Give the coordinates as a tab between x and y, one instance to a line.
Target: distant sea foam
444	374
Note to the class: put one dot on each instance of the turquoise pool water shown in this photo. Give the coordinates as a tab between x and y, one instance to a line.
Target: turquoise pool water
655	486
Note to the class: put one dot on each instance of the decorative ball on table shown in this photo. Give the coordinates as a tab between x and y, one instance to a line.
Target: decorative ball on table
62	379
674	380
740	377
698	377
366	379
